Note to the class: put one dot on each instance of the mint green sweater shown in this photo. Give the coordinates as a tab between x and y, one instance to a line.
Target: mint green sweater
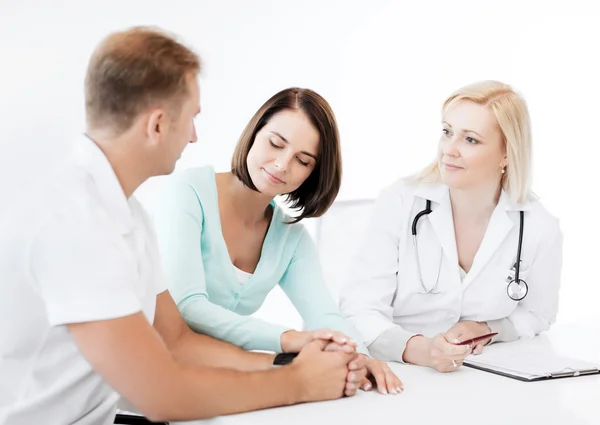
203	281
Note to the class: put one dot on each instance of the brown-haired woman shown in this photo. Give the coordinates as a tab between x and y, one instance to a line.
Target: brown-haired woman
226	243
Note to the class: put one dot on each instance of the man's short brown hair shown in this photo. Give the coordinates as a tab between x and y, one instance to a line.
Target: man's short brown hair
314	197
133	70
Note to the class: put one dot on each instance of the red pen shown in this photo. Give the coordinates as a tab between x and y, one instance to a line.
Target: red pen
473	341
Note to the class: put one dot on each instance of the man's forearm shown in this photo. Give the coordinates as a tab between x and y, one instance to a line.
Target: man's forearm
199	393
199	349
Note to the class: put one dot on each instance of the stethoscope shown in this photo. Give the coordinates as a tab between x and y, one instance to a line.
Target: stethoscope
516	289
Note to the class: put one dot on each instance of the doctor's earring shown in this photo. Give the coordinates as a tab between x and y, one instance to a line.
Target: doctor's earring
503	170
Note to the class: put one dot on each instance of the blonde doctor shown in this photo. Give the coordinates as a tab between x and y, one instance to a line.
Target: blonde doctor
439	263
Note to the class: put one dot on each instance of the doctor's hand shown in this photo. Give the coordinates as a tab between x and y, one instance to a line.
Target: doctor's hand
293	341
438	353
467	330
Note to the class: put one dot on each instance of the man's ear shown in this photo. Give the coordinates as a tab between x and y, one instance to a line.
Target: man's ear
156	125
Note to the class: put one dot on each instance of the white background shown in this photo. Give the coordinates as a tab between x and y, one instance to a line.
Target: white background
385	67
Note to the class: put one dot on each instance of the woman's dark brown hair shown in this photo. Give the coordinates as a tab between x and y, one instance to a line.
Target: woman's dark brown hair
314	197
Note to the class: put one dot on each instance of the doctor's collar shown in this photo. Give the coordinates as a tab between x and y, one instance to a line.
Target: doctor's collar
439	193
509	205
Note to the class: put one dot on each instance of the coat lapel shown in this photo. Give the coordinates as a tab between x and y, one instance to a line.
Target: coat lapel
442	222
499	227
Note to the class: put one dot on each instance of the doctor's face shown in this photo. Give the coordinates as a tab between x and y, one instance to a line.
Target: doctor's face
283	154
471	148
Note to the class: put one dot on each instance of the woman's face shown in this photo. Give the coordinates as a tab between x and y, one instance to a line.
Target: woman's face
471	150
284	153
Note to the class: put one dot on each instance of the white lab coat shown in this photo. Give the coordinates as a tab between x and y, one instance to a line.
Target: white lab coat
381	296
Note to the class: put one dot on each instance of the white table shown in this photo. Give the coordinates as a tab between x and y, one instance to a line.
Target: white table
467	396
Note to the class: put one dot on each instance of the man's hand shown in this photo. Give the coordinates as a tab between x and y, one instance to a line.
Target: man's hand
363	367
322	375
357	370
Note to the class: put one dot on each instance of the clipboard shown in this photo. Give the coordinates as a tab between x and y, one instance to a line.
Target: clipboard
567	373
529	365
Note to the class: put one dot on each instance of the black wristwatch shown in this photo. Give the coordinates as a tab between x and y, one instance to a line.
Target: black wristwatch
284	358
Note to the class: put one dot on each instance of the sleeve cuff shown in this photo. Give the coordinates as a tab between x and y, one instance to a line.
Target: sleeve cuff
269	340
506	330
390	345
80	309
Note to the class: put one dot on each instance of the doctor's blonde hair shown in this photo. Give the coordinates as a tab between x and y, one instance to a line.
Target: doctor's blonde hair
512	116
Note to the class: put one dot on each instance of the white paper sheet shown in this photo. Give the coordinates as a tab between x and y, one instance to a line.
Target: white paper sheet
526	361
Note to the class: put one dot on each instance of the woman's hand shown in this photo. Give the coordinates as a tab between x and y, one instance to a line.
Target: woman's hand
386	380
293	341
468	330
438	352
363	367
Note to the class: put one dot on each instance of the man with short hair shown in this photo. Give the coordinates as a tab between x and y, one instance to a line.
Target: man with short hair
84	311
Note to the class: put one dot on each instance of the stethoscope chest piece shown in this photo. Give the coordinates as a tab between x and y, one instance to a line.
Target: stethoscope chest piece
517	289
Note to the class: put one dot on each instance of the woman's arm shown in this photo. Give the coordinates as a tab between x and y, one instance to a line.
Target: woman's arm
304	285
179	220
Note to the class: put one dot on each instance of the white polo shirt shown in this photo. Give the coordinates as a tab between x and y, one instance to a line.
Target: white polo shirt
74	251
